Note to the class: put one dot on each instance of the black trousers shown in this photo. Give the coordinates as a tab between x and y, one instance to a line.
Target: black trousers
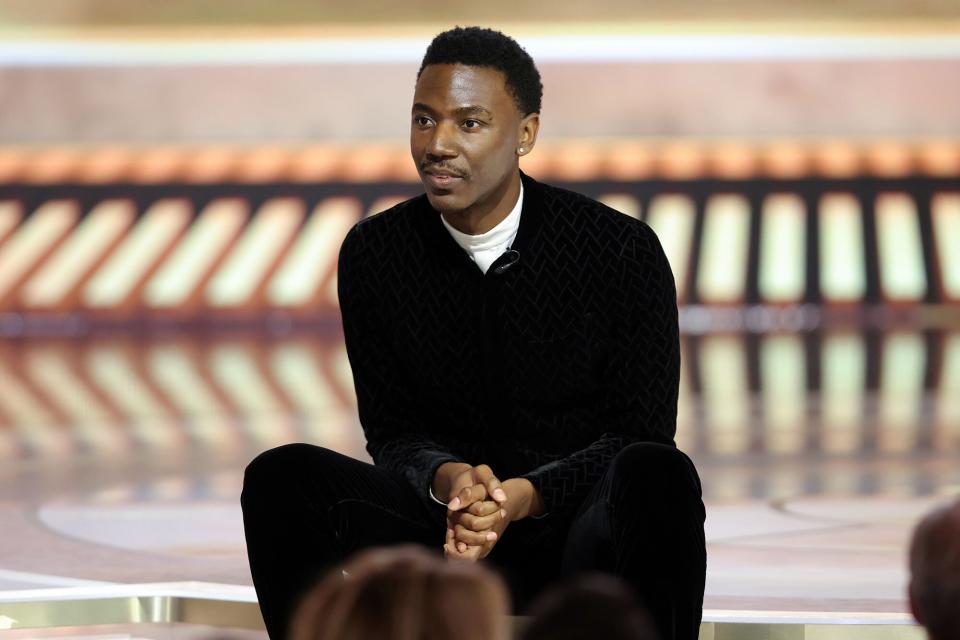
306	508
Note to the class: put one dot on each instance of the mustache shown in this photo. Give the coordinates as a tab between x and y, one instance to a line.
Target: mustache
430	167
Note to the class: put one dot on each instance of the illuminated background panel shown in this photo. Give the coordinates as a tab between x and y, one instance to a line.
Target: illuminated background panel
32	242
947	412
672	218
11	213
783	236
311	262
726	396
722	271
900	251
118	280
186	270
256	254
843	392
901	391
842	261
784	393
57	282
945	209
622	202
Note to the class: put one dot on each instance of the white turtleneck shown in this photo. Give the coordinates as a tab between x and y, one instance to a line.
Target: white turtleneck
487	247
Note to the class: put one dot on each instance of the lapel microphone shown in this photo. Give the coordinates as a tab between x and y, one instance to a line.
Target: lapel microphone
511	257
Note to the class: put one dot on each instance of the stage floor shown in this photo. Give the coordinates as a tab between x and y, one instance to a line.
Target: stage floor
122	463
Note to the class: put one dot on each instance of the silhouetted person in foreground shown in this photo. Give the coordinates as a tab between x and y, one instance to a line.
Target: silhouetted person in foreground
404	593
593	606
935	573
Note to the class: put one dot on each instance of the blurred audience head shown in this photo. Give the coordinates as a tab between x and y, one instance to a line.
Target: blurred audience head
935	572
590	606
404	593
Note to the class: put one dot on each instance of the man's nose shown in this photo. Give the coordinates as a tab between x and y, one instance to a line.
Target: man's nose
443	142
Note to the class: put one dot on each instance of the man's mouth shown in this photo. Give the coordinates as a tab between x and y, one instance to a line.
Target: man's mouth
441	178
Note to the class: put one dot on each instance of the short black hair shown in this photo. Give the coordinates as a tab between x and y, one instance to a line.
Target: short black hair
480	47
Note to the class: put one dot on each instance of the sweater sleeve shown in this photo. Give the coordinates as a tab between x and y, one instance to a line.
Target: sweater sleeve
396	437
641	380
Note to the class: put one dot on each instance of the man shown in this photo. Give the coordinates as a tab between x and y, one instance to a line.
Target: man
934	589
515	354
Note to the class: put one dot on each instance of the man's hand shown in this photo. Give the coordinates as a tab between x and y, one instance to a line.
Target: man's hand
467	489
477	529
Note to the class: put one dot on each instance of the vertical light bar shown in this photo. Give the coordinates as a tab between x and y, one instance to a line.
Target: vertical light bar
783	380
947	429
671	217
843	387
296	371
33	239
783	240
117	377
175	372
314	254
126	267
235	371
326	419
11	213
94	236
90	420
842	264
901	390
900	250
195	255
622	202
256	252
945	208
726	396
722	274
35	425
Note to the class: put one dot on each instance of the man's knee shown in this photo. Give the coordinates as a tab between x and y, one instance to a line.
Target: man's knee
653	468
275	469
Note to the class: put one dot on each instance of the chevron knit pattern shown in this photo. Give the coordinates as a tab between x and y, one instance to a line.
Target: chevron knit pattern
544	370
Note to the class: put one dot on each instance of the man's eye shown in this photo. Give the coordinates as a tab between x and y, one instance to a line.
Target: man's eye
471	124
421	121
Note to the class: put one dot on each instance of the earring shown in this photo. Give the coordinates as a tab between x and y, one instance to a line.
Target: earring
521	150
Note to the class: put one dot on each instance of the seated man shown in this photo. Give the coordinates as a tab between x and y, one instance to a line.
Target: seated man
515	353
935	573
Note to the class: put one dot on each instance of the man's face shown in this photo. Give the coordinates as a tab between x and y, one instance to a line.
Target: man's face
464	136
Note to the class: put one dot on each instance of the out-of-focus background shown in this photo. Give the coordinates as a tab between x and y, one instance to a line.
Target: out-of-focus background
176	178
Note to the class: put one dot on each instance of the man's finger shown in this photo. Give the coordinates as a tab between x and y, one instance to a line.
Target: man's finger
485	508
472	538
468	496
478	524
472	554
484	475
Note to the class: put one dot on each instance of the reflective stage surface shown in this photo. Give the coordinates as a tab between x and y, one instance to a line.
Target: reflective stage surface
122	463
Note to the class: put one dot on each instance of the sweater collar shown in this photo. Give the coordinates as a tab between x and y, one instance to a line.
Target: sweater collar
531	219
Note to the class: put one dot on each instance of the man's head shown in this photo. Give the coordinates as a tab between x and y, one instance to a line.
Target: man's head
935	572
475	112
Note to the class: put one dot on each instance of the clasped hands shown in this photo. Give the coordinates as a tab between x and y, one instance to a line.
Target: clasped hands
480	507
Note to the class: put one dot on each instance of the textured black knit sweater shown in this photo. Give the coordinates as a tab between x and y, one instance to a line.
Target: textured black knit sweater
543	370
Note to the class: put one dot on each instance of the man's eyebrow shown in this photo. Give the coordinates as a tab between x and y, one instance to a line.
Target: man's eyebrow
473	110
469	110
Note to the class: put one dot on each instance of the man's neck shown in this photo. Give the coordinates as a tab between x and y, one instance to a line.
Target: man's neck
474	222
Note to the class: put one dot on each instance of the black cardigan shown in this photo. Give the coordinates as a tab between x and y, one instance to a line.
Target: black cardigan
543	370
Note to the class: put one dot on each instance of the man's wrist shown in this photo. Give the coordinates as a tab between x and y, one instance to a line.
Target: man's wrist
530	503
443	478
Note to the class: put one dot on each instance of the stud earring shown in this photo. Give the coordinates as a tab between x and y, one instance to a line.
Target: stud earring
521	150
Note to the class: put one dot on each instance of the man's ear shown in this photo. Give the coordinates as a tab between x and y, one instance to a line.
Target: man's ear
529	127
